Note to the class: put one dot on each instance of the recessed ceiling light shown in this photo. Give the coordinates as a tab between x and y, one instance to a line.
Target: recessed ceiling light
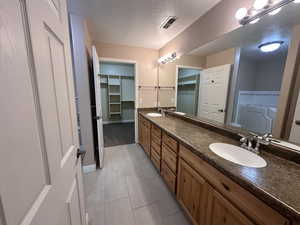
254	21
241	13
270	46
274	12
260	4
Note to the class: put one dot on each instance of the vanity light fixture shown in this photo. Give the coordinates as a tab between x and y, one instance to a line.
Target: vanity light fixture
170	57
270	46
241	13
259	9
275	12
254	21
260	4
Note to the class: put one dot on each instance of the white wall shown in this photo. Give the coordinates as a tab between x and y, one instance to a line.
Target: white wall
117	69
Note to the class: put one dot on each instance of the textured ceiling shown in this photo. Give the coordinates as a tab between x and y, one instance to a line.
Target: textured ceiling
136	22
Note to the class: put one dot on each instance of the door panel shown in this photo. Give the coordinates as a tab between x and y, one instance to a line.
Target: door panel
39	166
191	192
96	66
213	92
222	212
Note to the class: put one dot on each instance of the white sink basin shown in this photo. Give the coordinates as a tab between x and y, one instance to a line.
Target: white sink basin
180	113
238	155
154	114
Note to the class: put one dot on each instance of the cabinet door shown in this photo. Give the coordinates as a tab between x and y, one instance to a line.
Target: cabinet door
140	127
191	192
221	212
147	139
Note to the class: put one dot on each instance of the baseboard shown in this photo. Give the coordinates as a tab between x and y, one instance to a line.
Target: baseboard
89	168
119	121
87	219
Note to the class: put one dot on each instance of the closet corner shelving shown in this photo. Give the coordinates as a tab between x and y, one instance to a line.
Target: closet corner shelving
114	95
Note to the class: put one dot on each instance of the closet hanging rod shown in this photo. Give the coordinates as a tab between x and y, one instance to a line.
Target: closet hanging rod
166	87
148	87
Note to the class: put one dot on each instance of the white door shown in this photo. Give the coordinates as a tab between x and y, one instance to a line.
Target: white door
41	180
295	131
96	66
213	92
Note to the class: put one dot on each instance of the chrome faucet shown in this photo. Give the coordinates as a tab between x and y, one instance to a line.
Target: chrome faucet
247	141
162	111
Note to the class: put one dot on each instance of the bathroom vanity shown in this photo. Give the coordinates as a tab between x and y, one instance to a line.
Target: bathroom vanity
212	190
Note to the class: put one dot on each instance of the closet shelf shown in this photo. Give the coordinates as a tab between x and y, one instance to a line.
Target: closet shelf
115	113
115	94
115	103
187	83
188	75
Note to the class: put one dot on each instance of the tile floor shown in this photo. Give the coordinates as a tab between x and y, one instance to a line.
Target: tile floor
129	191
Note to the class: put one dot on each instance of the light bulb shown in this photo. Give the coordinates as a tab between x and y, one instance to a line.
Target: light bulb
270	46
260	4
241	13
254	21
274	12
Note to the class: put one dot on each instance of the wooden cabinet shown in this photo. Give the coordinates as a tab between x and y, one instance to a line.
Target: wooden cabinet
171	142
222	186
169	177
156	146
191	192
169	157
221	212
145	134
207	195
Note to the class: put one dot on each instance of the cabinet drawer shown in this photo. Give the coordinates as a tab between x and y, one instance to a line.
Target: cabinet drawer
156	160
168	176
156	139
155	147
171	142
254	208
156	131
169	157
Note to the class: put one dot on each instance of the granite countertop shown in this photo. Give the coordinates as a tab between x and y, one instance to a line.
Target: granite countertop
278	184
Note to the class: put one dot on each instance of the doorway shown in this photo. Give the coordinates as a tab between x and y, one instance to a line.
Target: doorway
187	89
117	80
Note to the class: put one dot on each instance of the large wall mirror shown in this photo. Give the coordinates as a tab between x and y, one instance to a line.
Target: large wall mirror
238	79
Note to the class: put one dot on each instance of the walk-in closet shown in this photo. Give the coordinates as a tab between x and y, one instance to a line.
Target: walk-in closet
187	90
118	101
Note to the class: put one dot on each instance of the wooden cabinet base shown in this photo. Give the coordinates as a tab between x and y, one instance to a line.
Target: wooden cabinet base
168	176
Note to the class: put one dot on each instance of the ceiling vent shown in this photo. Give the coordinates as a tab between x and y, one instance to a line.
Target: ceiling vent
168	22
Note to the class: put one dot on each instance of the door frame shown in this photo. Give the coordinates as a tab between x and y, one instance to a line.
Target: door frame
136	81
176	80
